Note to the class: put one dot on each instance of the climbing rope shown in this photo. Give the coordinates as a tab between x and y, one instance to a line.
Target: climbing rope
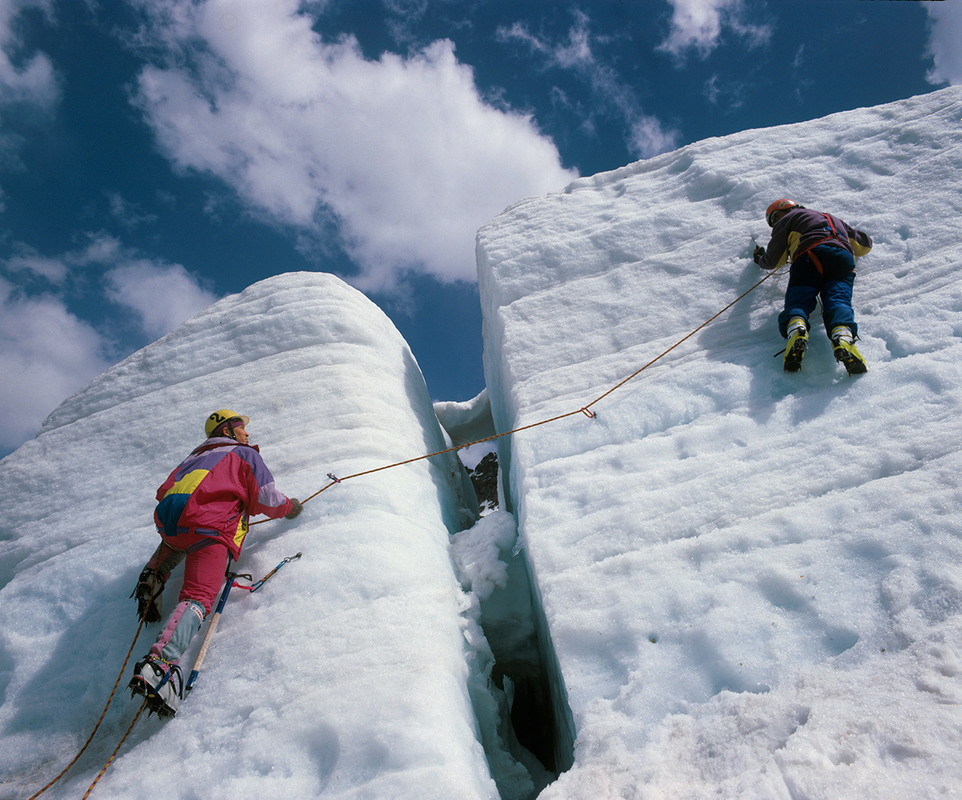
705	324
110	698
231	579
333	480
585	410
113	755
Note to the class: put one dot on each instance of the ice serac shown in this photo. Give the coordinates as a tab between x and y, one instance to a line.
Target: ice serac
724	547
346	675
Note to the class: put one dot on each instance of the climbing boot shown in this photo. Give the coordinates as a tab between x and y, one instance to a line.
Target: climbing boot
846	353
797	344
160	683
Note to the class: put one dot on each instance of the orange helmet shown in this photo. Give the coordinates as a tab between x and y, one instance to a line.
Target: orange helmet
778	208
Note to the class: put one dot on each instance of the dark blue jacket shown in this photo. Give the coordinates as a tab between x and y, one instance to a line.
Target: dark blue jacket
801	229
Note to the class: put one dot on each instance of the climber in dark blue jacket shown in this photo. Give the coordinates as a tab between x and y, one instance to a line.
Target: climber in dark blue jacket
822	249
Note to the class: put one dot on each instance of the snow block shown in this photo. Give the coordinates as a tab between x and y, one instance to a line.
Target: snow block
346	675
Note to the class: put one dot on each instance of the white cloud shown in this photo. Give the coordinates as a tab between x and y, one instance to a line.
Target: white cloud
101	248
33	79
647	136
401	153
162	295
945	42
27	82
27	259
49	352
46	353
698	24
127	214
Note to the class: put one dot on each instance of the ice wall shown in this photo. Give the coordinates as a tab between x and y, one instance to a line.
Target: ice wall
347	675
724	544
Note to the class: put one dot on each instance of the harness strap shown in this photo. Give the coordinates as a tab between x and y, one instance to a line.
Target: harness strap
808	250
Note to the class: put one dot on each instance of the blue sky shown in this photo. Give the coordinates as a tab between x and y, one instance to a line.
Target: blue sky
156	155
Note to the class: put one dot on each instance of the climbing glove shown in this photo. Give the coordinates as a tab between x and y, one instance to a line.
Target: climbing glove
296	510
149	588
759	252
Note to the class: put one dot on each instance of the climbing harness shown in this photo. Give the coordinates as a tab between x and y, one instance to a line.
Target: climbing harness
808	251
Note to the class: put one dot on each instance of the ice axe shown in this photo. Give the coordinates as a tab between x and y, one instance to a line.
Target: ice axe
215	618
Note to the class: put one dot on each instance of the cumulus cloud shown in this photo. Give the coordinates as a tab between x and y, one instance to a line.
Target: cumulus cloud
162	295
647	135
400	154
699	24
28	260
30	79
28	82
127	214
46	353
945	42
52	352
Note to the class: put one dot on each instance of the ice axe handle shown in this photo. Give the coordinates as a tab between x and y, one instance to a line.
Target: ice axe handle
202	653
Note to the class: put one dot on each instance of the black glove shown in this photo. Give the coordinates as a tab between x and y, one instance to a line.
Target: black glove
296	510
148	590
759	252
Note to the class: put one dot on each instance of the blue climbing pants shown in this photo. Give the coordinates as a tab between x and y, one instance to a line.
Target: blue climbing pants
827	272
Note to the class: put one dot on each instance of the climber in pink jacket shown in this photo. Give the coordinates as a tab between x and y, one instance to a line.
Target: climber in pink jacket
202	516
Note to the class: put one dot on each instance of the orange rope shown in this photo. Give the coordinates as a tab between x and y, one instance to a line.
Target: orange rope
683	339
102	715
586	410
116	749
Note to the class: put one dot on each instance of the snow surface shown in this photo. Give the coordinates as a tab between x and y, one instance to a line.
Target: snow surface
752	580
749	582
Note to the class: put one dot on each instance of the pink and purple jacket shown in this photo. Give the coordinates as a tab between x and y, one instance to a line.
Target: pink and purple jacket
213	493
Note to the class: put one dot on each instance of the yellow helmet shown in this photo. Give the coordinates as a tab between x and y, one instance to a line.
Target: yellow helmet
220	416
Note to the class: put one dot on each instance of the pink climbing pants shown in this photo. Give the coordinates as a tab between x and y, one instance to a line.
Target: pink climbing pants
203	578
